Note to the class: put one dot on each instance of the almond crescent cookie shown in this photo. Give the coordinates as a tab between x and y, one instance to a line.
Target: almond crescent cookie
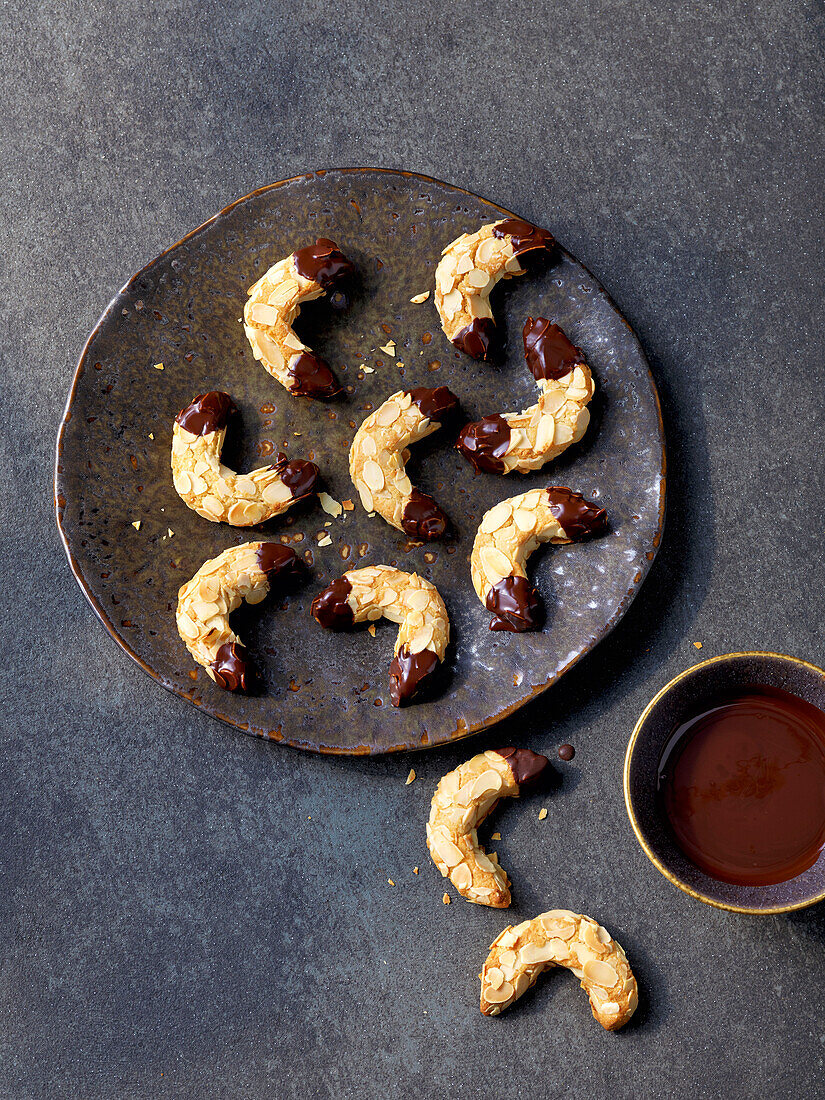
561	938
217	589
378	456
275	302
508	535
218	493
462	800
528	440
470	267
365	595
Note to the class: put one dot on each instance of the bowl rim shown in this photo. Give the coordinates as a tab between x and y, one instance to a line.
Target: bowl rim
631	746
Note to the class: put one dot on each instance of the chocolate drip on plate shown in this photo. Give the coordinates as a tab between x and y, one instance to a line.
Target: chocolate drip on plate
516	605
322	262
207	413
484	441
436	404
407	673
231	670
566	752
299	476
277	561
548	352
422	518
330	607
476	338
313	377
525	237
579	518
525	765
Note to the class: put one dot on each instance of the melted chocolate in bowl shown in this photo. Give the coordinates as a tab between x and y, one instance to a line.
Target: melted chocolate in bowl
742	785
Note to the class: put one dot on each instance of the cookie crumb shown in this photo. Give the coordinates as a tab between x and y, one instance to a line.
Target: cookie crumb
698	645
410	777
415	870
389	880
136	524
158	366
371	630
542	813
347	505
368	370
496	836
417	299
170	532
388	348
151	435
446	899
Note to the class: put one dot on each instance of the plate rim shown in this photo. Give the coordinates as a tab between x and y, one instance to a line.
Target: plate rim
463	729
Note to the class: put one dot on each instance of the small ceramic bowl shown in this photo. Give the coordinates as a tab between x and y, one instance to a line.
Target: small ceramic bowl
673	705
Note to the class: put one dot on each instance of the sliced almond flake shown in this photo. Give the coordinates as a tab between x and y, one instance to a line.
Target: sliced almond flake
325	541
410	777
170	532
388	349
330	505
368	370
417	299
371	629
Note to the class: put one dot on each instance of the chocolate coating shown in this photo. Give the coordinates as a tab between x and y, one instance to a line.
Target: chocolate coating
525	765
322	262
579	518
231	670
525	237
407	672
276	560
476	338
516	605
437	403
313	377
484	441
548	352
330	607
566	752
300	477
207	413
422	518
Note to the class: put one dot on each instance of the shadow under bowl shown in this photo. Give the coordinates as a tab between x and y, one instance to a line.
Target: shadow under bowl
674	704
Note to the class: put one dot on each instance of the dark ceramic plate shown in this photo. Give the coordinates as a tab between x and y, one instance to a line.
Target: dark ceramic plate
326	691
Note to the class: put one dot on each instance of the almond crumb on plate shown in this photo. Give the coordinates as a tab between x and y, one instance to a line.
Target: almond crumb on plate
417	299
446	899
136	524
330	505
542	813
158	366
496	836
410	777
698	645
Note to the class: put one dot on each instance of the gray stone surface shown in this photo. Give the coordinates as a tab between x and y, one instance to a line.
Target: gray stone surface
187	912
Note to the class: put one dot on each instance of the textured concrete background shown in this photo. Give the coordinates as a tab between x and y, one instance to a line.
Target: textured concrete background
186	912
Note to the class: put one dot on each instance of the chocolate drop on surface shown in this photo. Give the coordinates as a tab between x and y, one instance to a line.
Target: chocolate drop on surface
330	607
422	518
579	518
548	352
742	783
407	672
322	262
475	339
516	605
484	441
525	237
207	413
566	752
230	667
525	765
313	376
276	560
300	477
437	403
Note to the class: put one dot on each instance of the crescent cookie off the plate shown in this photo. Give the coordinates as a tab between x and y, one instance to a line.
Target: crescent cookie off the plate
274	303
470	267
462	800
378	455
218	493
508	535
560	938
217	589
527	440
365	595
